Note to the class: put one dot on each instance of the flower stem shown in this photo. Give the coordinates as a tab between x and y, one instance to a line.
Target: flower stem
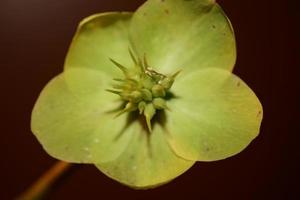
40	187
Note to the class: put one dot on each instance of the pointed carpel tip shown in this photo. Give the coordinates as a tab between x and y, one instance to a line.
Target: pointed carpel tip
129	107
141	107
148	121
149	112
141	111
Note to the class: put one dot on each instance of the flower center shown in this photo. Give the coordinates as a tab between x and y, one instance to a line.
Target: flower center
143	89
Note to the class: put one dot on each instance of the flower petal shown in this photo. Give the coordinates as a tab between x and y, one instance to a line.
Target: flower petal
74	125
147	162
214	116
183	34
98	38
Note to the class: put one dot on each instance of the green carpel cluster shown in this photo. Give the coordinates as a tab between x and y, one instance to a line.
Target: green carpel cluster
142	89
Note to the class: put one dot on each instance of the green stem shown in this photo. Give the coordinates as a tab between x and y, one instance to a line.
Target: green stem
40	187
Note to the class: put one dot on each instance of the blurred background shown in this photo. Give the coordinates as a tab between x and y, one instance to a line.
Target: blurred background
34	38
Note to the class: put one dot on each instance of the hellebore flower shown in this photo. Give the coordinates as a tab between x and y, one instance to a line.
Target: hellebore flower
145	95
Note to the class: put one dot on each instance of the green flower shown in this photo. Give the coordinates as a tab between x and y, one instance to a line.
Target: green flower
122	104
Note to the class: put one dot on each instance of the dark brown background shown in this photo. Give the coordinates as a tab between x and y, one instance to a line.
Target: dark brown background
34	37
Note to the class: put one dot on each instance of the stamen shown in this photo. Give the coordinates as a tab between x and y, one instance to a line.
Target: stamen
121	67
119	79
114	91
132	56
176	74
146	66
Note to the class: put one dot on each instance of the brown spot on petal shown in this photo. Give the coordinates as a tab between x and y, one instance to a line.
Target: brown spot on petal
238	84
167	11
258	113
207	149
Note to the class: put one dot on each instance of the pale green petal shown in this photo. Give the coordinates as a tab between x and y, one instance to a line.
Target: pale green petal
214	116
147	162
98	38
73	121
182	34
